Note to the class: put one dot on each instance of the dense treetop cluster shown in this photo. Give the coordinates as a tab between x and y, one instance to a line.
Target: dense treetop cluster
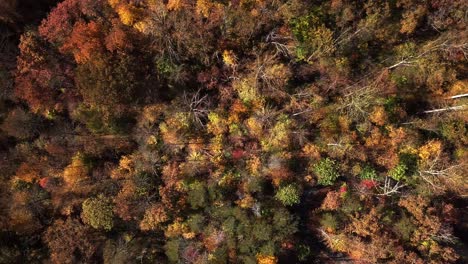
241	131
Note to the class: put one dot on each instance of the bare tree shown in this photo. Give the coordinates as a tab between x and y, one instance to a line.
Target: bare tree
439	177
445	235
390	187
445	44
280	43
451	108
358	102
197	106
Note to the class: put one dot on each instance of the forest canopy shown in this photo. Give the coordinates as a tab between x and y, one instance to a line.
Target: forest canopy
233	131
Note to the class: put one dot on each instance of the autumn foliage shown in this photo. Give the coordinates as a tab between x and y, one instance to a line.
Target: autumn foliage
243	131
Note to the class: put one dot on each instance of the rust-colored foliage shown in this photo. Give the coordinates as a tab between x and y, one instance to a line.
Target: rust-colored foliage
430	228
32	80
366	225
332	201
118	38
41	79
28	172
154	217
70	241
58	26
126	206
85	41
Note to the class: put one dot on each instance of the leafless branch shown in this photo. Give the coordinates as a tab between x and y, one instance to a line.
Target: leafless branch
277	41
452	108
458	96
401	63
302	112
358	102
435	174
197	105
445	235
390	187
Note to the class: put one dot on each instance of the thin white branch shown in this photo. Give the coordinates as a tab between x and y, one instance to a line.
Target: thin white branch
390	188
458	96
302	112
452	108
401	63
